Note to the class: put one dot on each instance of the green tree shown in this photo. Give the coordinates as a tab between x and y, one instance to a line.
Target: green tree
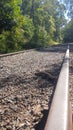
68	32
16	30
33	23
6	15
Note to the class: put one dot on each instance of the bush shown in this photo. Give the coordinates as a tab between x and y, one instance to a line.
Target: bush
18	36
40	38
3	41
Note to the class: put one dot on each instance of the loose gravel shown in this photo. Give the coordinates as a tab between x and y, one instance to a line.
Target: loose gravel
71	77
27	83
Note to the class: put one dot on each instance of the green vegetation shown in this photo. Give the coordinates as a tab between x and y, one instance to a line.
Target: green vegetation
35	23
68	32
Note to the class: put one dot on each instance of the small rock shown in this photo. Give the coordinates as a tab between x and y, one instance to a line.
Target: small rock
21	125
36	110
28	123
9	128
9	101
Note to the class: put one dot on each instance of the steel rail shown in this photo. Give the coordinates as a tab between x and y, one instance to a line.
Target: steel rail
18	52
15	53
60	114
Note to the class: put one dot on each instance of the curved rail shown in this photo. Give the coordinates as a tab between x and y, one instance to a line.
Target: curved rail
60	115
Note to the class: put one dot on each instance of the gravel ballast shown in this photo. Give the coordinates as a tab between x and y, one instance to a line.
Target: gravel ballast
27	83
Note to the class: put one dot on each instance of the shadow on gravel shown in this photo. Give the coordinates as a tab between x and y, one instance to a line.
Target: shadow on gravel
71	48
10	80
52	78
57	48
42	123
71	69
48	77
40	79
14	80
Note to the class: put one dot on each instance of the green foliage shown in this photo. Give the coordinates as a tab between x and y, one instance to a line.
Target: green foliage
28	28
3	38
40	38
16	29
10	41
27	24
68	32
6	15
52	27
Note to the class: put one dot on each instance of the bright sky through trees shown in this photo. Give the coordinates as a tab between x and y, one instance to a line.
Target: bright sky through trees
69	8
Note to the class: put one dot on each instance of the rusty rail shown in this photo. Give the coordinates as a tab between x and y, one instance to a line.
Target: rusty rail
15	53
60	114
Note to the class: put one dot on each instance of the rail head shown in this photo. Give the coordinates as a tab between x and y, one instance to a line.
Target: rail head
59	111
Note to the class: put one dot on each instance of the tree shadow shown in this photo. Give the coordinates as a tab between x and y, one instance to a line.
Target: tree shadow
45	112
41	78
61	48
41	124
71	47
55	72
48	77
15	80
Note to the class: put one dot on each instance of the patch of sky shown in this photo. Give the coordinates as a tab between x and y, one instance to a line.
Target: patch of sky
67	4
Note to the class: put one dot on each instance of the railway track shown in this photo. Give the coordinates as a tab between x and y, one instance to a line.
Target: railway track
15	53
25	95
24	51
60	115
